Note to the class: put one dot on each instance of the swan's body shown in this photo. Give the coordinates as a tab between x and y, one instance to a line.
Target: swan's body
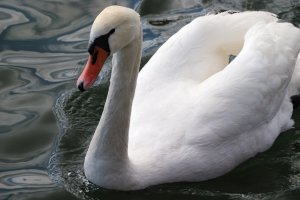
192	116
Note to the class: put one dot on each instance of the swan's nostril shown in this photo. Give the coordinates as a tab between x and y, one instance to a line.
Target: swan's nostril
80	86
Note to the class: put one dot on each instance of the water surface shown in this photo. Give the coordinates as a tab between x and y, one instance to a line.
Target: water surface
43	119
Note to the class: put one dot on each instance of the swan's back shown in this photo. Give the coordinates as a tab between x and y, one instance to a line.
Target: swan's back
203	45
195	111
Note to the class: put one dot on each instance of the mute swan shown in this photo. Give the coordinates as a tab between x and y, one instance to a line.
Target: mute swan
188	115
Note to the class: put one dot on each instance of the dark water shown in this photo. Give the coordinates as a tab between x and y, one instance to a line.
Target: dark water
45	124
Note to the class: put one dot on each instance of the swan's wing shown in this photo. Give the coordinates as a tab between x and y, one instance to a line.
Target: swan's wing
249	92
187	129
189	57
199	49
172	108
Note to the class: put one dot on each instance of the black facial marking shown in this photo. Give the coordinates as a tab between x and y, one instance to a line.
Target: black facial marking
94	58
102	42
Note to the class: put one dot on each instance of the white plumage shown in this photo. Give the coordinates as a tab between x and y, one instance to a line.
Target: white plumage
192	116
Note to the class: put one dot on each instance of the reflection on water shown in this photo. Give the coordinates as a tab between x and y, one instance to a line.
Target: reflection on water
43	48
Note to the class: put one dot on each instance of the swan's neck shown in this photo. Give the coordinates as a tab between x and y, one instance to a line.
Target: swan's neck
108	149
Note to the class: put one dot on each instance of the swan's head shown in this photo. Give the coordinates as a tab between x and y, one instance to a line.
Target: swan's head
113	29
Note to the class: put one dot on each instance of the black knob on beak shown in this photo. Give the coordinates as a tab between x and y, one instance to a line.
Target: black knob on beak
80	86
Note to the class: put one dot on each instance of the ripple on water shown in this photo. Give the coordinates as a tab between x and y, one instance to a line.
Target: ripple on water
10	17
22	181
40	22
43	68
11	119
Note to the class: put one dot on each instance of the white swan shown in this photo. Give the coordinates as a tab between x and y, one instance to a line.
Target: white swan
188	115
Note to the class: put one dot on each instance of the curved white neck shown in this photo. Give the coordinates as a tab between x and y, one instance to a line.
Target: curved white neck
110	142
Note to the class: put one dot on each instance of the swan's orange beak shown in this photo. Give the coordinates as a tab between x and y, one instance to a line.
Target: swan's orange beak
92	69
